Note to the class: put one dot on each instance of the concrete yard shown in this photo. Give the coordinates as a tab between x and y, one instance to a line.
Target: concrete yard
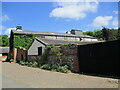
28	77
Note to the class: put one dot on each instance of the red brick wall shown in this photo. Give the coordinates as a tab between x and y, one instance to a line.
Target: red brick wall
69	51
21	54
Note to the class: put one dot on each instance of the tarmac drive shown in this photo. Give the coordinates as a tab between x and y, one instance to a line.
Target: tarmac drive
17	76
8	82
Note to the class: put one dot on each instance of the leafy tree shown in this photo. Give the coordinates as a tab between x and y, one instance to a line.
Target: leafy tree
105	32
113	34
97	33
88	33
118	34
4	40
25	41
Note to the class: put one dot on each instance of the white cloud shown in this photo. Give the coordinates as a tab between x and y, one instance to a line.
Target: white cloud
115	21
74	10
116	12
4	18
101	21
8	30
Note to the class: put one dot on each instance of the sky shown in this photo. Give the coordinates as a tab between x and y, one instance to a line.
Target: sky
59	16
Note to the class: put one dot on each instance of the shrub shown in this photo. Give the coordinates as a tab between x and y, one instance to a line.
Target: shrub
26	63
34	64
22	63
46	66
63	69
59	68
11	60
100	39
29	64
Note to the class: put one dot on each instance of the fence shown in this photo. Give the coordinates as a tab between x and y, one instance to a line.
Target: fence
100	58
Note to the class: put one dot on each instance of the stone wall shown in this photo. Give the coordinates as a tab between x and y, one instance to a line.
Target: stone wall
69	57
31	58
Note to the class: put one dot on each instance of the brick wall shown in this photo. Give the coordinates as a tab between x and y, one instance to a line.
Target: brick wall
21	54
69	57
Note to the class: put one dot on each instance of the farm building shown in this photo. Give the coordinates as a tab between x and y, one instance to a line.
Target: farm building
72	36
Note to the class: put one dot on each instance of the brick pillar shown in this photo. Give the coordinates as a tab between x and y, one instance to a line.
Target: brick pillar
76	66
15	54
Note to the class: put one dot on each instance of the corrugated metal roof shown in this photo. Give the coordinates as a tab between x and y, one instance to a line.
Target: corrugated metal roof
59	42
49	33
4	50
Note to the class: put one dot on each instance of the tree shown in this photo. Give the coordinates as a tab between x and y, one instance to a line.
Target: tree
105	32
25	41
88	33
97	33
118	34
113	34
4	40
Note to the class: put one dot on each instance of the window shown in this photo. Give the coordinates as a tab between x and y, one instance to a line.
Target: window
39	50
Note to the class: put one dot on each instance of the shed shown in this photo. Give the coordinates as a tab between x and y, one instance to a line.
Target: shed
4	51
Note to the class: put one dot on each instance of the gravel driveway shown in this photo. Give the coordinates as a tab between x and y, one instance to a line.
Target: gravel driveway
37	78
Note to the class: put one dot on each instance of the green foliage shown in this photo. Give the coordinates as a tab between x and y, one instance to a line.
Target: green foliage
25	41
30	35
68	44
105	34
30	64
49	46
100	39
97	33
59	68
44	57
63	69
118	35
34	64
56	50
113	34
4	40
88	33
55	67
11	60
46	66
22	63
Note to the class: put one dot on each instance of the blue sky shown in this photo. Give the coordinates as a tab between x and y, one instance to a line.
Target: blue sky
58	17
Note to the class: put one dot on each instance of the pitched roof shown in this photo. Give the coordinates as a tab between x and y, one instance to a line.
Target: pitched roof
59	42
49	33
4	50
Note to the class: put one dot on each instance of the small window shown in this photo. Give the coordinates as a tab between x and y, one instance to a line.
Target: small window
39	50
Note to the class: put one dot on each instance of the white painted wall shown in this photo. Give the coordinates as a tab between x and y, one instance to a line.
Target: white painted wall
94	39
89	39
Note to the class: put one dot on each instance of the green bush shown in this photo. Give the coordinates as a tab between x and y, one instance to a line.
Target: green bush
11	60
26	63
63	69
59	68
100	39
46	67
34	64
54	67
29	64
22	63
